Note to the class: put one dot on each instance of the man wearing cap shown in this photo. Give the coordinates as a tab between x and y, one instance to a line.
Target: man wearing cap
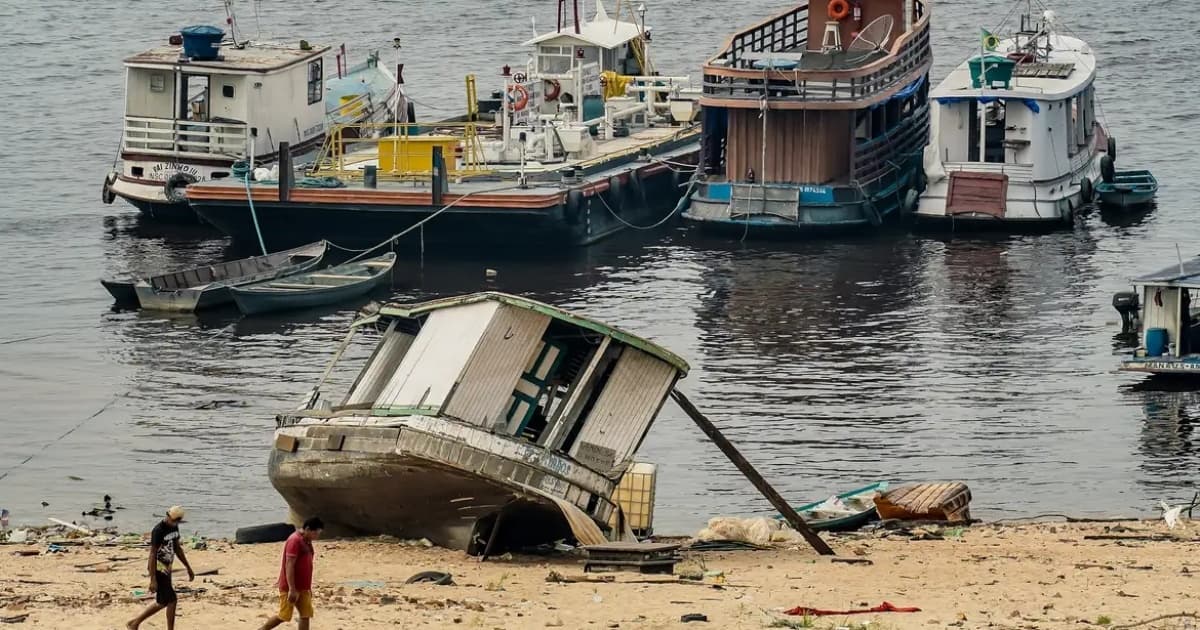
164	546
295	576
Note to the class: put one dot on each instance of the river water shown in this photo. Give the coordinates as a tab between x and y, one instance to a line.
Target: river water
831	363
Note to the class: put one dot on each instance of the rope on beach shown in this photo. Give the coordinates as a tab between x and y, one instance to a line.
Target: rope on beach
1182	615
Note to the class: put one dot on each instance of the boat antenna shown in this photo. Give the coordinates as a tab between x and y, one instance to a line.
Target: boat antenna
231	20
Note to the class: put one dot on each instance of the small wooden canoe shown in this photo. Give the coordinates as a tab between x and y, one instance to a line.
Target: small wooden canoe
845	512
204	287
949	501
314	288
1128	189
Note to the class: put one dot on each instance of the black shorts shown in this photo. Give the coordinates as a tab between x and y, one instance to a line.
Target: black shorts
164	591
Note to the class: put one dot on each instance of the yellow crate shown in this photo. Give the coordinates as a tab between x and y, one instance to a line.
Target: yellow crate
414	154
635	495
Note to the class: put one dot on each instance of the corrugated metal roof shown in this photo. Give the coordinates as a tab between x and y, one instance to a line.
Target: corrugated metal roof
419	309
1183	274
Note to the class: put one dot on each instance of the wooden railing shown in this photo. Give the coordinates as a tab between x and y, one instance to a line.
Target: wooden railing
169	136
730	80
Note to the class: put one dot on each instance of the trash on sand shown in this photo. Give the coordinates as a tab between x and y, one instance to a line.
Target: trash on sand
759	531
53	548
26	552
364	584
3	518
431	577
18	536
82	530
693	617
816	612
15	618
1171	514
724	545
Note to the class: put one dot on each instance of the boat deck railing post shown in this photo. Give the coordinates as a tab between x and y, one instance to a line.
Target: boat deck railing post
285	171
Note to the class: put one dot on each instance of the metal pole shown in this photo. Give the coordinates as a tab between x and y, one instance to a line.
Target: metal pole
751	474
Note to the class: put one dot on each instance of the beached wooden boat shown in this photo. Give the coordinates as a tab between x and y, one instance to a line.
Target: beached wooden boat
314	288
1127	189
844	512
948	501
204	287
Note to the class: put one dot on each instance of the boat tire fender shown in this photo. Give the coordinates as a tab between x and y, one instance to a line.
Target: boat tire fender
106	193
910	200
175	184
839	10
1086	190
1111	148
573	211
553	89
1107	170
615	192
275	532
637	186
431	577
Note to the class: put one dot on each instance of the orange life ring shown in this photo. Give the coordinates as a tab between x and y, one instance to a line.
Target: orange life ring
522	96
554	90
839	10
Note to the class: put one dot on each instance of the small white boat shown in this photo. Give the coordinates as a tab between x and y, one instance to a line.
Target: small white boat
195	289
1168	327
1016	142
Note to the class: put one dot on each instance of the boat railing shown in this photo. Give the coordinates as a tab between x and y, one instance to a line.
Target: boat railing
731	80
874	159
1015	172
183	138
408	147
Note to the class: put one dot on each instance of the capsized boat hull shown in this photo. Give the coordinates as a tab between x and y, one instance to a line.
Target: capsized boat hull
410	497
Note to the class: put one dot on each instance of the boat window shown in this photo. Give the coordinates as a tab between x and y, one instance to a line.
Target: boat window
316	87
555	59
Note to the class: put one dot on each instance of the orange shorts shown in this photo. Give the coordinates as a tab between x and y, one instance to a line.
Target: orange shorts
304	605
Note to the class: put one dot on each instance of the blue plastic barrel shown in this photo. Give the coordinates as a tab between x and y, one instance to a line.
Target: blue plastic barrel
1156	341
202	43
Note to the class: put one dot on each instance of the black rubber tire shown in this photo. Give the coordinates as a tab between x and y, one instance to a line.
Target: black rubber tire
1112	148
431	577
106	193
173	187
1087	190
273	533
1108	171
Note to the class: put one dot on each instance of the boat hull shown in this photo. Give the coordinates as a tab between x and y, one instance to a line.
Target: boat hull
251	302
1174	366
1118	199
850	522
949	501
359	217
123	292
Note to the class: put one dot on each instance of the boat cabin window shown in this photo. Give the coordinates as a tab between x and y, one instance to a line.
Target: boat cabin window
1082	121
316	83
555	59
194	98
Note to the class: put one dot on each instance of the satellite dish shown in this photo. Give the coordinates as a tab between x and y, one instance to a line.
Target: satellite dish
873	38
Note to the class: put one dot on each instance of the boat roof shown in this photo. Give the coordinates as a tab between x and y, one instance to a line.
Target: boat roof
248	57
1185	275
423	308
1069	68
602	31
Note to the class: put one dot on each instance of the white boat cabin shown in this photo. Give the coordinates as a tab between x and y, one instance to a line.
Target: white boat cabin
505	367
1169	329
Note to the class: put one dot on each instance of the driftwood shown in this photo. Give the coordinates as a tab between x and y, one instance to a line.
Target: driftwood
842	560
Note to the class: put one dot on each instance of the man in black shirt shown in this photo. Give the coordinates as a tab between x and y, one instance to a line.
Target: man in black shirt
164	546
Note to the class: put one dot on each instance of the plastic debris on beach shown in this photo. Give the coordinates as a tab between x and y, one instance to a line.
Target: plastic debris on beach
759	530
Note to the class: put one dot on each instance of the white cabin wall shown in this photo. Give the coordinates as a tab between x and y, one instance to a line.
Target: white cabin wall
1165	316
631	398
141	101
437	357
1019	120
379	368
221	106
953	131
485	388
1050	135
280	109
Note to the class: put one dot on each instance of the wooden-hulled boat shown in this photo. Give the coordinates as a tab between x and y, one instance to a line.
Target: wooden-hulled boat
851	510
950	501
314	288
1160	309
205	287
1128	189
486	420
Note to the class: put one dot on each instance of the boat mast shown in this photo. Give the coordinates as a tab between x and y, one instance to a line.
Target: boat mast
231	20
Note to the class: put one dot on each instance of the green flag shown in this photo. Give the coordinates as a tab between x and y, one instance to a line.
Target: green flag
989	41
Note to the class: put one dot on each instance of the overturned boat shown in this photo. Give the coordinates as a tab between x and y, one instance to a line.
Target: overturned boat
480	422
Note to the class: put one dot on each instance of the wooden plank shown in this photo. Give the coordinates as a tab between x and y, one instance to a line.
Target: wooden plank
290	285
793	518
334	276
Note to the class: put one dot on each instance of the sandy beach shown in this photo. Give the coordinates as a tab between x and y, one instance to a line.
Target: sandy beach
1046	575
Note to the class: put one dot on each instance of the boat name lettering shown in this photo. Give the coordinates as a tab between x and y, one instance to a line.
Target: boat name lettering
163	170
1172	365
314	130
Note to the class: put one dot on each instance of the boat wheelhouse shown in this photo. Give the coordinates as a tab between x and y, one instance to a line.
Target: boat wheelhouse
478	421
1016	142
194	108
803	133
583	142
1168	327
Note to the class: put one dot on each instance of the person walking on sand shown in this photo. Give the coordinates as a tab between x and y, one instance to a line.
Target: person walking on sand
295	576
164	546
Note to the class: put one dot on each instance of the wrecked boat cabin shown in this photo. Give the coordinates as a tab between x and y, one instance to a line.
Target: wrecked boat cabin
480	422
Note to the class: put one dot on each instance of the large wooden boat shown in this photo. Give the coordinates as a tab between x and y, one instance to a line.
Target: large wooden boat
201	102
486	420
805	134
587	140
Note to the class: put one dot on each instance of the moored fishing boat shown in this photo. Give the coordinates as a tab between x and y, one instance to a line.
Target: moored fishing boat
198	104
318	287
481	421
204	287
1017	144
1126	189
1167	325
585	141
803	134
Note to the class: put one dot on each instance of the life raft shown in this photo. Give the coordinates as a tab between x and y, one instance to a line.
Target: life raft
839	10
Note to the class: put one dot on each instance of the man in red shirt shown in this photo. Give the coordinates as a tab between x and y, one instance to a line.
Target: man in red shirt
295	576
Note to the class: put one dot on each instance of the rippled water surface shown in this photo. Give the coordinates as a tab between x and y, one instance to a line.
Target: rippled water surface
830	363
